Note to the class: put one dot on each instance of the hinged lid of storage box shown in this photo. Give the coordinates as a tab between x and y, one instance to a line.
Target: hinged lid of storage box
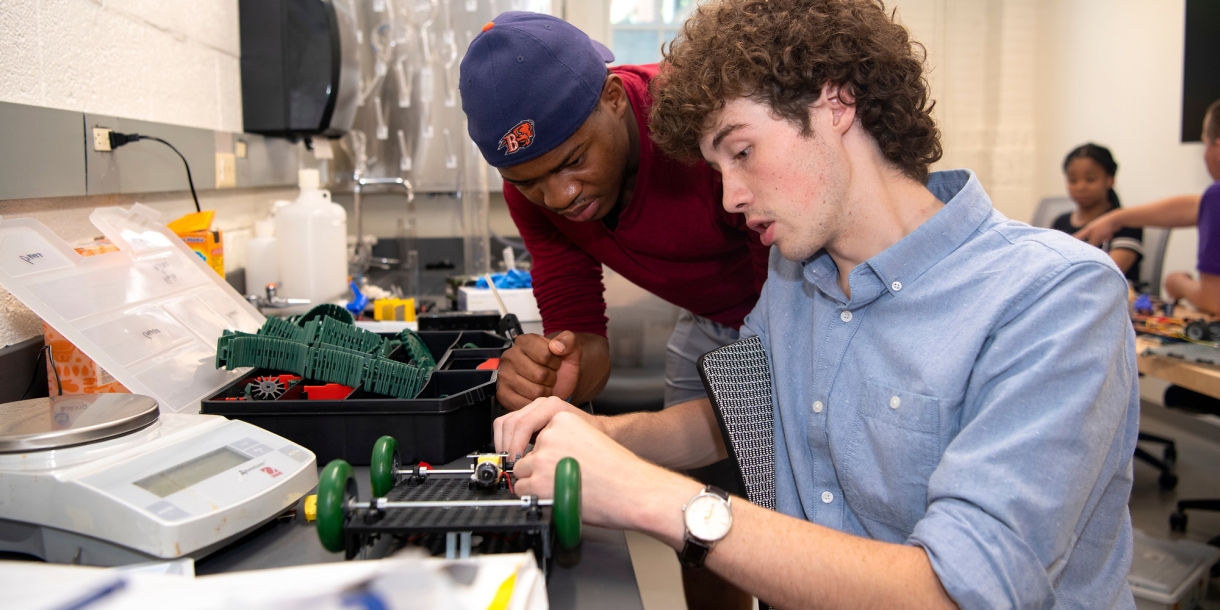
149	314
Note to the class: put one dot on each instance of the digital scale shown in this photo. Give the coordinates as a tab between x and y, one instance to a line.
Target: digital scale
106	479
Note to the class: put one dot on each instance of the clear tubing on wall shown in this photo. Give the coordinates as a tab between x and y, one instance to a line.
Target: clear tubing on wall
473	192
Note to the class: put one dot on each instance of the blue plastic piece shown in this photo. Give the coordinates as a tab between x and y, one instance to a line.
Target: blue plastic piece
358	302
513	278
1143	304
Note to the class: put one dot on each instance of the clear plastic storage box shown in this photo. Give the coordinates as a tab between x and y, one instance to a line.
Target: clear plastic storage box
150	314
1170	575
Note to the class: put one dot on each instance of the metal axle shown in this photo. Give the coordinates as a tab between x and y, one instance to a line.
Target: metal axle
432	471
523	502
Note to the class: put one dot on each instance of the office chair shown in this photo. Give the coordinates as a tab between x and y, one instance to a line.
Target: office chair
738	382
1156	241
1049	209
1194	402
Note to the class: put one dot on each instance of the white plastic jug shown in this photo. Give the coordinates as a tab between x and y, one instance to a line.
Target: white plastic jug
311	243
262	259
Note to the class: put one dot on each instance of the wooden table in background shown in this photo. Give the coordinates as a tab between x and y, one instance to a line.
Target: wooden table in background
1202	378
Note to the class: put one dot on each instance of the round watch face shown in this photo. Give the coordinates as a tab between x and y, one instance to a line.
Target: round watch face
708	518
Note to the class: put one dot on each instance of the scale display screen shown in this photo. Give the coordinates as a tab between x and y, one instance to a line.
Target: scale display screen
186	474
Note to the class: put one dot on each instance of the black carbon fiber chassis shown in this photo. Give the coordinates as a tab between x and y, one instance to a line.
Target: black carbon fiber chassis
480	519
502	528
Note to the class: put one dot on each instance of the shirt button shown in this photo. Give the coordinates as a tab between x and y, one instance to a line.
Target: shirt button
828	497
895	402
845	316
817	406
896	286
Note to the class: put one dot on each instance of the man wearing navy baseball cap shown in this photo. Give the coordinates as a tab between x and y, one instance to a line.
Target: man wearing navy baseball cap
586	186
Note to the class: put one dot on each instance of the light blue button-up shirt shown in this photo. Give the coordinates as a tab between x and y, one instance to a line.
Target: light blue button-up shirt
976	396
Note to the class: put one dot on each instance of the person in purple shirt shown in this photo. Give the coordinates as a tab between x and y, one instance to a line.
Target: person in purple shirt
1181	211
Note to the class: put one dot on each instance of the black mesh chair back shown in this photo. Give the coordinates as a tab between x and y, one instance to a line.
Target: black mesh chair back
738	381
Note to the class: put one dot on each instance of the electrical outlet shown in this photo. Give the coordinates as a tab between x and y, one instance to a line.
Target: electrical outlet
101	139
226	170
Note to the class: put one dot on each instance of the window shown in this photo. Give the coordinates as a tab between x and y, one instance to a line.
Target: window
640	27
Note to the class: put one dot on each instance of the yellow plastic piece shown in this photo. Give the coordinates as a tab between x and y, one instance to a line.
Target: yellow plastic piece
196	230
504	594
401	310
195	221
311	507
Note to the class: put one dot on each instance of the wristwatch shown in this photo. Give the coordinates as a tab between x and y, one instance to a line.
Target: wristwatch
708	517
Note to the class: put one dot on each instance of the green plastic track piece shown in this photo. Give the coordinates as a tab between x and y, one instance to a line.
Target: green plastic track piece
416	347
335	486
384	466
388	347
566	510
332	332
281	355
393	378
224	348
283	329
337	365
396	379
275	354
326	310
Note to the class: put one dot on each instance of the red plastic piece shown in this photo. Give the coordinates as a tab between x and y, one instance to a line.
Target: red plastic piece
330	391
490	364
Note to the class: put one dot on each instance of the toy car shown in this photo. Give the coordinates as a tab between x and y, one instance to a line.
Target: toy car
422	504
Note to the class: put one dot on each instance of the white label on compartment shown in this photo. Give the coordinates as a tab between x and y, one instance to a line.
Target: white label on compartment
23	252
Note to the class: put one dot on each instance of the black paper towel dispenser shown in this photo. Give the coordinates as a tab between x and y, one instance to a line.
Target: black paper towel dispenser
300	70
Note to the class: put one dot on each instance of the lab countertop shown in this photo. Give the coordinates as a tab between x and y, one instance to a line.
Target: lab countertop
602	578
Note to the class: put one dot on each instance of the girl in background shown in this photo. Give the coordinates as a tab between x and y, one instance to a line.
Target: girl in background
1090	170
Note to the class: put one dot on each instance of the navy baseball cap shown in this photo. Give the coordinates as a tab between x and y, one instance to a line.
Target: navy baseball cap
528	82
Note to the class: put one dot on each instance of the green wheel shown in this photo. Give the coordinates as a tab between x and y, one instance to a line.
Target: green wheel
566	510
335	487
383	468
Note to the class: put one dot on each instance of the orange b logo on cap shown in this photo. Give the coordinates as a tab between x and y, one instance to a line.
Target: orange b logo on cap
520	136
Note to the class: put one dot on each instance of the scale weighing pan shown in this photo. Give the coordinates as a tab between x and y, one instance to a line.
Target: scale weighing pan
105	479
57	422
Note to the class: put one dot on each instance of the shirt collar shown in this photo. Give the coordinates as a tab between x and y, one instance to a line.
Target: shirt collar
900	265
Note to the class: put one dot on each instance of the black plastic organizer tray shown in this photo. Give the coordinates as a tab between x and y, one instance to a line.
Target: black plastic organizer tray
450	417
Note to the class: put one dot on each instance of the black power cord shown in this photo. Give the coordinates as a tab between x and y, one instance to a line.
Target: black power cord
45	351
119	139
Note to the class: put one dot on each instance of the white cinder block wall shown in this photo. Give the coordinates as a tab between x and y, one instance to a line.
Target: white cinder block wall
169	61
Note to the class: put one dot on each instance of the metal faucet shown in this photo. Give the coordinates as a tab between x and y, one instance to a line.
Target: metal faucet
363	258
272	300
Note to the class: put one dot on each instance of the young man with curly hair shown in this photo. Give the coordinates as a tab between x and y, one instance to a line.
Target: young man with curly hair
955	398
